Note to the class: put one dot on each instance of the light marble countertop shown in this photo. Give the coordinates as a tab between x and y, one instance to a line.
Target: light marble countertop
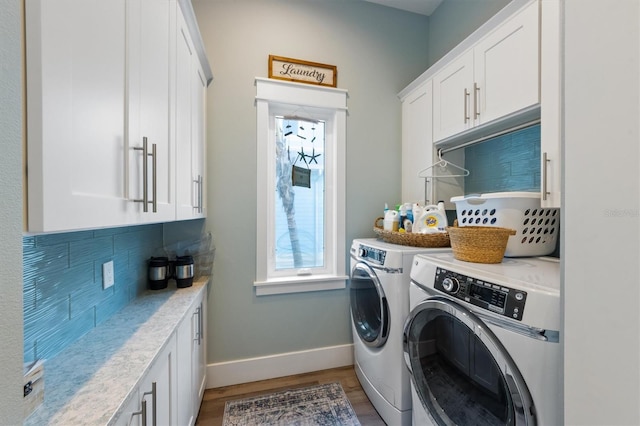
90	381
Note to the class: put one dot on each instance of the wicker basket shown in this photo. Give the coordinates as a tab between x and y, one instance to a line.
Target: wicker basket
440	239
479	244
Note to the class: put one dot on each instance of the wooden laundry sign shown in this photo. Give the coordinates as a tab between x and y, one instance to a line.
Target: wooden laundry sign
302	71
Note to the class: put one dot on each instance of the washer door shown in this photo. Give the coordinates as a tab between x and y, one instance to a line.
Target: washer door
460	370
369	309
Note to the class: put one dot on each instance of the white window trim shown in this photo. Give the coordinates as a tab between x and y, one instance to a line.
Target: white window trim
272	96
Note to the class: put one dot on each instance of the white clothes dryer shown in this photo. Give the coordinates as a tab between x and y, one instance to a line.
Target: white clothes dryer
379	297
482	341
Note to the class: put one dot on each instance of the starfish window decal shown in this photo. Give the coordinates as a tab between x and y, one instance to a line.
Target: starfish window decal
303	156
313	156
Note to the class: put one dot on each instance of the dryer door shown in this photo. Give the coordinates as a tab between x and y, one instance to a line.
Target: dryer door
369	309
460	370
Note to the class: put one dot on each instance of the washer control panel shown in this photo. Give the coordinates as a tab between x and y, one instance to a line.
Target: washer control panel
371	254
492	297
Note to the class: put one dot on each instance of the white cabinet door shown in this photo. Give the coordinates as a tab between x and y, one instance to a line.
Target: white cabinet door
199	353
452	87
417	142
506	68
550	101
154	402
149	35
189	117
191	368
198	137
184	372
76	107
132	413
159	389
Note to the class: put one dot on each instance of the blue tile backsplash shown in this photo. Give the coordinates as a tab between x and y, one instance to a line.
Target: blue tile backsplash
510	162
63	295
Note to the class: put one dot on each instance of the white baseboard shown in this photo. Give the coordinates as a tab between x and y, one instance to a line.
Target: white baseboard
279	365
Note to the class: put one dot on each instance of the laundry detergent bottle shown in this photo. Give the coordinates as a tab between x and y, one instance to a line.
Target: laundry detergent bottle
434	219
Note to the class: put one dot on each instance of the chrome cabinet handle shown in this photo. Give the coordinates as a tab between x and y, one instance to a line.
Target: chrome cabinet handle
154	400
142	412
145	194
198	336
201	324
197	203
476	98
466	105
145	180
154	178
545	161
198	207
201	179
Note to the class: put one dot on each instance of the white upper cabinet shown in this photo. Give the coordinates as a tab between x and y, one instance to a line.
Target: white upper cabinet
497	77
76	114
190	98
149	33
550	94
417	142
452	88
105	93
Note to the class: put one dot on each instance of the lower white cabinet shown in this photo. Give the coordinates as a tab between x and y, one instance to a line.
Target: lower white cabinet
155	401
199	354
131	414
191	372
172	389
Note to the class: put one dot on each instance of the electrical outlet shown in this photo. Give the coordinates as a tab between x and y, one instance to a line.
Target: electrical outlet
107	274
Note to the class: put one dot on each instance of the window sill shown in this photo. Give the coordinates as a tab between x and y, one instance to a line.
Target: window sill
300	284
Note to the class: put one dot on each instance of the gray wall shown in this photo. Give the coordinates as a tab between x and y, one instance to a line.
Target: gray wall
11	130
454	20
377	51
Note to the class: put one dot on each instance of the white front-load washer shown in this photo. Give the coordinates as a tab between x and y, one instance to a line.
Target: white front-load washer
379	297
482	341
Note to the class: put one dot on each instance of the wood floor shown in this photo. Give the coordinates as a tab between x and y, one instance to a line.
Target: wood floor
212	408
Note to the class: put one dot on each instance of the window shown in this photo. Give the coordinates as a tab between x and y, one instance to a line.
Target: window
301	134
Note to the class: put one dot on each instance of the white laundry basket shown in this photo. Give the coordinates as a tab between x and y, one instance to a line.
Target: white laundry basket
537	229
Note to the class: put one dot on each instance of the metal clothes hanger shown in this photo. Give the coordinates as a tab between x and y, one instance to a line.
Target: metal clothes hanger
443	164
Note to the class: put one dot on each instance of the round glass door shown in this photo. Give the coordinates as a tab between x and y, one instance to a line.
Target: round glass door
463	377
369	310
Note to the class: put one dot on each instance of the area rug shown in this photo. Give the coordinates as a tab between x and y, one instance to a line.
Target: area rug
321	405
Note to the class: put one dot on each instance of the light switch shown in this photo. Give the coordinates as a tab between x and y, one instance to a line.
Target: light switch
107	274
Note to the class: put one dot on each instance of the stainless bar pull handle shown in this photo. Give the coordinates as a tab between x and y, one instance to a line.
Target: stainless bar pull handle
198	325
145	194
201	179
142	412
154	177
154	400
198	206
201	189
466	105
476	98
201	324
545	161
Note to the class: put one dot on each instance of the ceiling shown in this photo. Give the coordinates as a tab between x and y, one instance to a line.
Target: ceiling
423	7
